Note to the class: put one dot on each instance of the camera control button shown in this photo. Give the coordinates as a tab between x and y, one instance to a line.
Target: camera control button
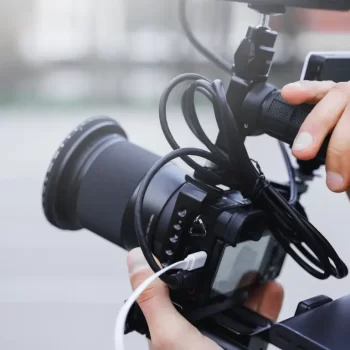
177	228
169	252
182	213
174	239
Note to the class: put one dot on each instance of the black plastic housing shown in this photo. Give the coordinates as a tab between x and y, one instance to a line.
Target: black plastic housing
93	182
318	324
264	111
324	326
93	178
327	66
338	5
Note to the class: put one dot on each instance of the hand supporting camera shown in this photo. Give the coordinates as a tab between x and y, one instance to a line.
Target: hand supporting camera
170	330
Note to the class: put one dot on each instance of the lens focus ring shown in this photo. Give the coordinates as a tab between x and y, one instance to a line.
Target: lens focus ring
55	190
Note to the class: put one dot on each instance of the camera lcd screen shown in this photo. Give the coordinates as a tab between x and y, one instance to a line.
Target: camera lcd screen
240	266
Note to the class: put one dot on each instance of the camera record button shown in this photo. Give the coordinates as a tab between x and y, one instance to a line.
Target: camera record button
177	228
182	213
169	252
174	239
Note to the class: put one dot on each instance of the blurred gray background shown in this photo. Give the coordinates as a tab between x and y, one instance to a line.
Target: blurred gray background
62	62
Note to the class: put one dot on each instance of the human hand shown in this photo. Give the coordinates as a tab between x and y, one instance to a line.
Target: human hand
331	113
169	330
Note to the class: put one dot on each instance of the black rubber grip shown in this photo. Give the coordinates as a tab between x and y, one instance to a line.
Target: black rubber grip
108	185
283	121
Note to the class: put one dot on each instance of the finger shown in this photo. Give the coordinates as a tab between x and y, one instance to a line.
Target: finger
168	329
321	121
271	304
139	271
306	91
338	155
267	300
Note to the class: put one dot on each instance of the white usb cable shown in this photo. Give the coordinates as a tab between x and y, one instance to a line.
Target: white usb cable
192	262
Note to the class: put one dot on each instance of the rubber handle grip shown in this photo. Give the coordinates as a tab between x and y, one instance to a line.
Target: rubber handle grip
283	121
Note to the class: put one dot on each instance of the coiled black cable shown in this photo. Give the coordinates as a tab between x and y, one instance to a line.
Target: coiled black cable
300	239
230	68
211	56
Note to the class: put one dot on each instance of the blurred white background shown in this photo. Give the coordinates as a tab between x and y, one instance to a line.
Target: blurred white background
62	62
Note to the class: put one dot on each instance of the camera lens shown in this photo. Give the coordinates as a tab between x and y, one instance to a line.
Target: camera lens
93	179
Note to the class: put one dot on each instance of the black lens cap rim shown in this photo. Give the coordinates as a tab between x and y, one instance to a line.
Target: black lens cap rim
59	162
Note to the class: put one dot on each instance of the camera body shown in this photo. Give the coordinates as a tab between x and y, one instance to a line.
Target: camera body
181	215
242	251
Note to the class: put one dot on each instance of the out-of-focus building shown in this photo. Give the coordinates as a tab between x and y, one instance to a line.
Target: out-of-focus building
89	50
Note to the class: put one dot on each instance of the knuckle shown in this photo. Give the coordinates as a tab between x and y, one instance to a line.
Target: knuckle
163	342
338	160
335	152
343	88
146	296
166	340
325	86
152	292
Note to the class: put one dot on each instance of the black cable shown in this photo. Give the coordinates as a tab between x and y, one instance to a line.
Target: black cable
235	169
291	174
166	130
217	60
171	281
229	68
289	227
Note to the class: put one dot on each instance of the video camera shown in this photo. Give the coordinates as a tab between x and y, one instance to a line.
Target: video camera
246	224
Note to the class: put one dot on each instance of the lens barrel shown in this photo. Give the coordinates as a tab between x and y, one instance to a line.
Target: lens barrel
93	179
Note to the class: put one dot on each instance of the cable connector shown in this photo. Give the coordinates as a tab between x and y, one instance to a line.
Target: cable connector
192	262
195	261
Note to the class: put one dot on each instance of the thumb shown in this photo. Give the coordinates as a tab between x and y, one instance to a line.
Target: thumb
155	297
168	329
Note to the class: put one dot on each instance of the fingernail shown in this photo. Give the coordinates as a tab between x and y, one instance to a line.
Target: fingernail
302	141
136	261
334	181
